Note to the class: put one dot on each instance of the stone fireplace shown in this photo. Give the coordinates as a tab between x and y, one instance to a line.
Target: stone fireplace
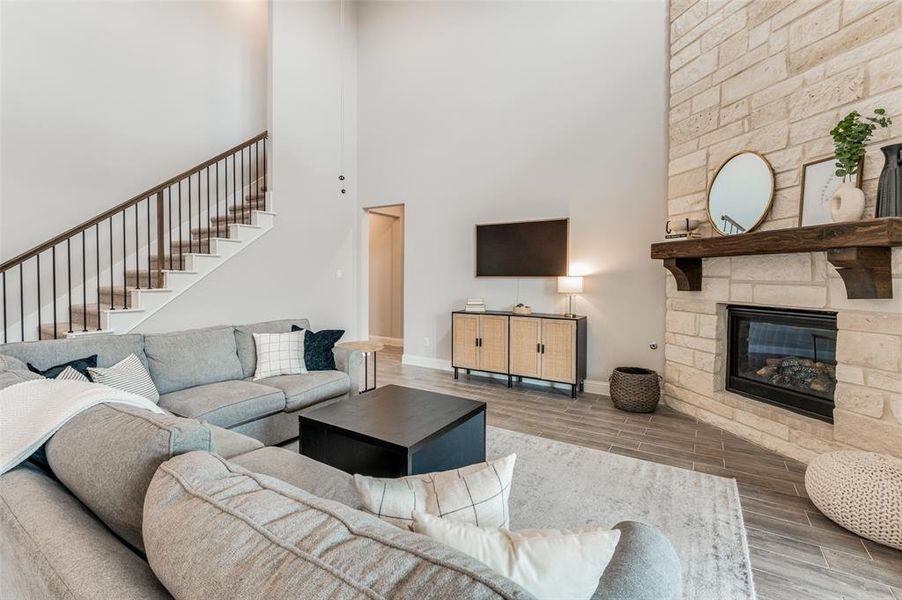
783	357
774	77
867	354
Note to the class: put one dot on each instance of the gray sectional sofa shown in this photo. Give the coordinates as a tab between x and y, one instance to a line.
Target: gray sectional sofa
133	504
206	374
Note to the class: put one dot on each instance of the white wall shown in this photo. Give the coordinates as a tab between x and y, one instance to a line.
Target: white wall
473	112
102	100
293	271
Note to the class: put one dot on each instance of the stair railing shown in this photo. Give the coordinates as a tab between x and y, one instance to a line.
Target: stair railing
101	259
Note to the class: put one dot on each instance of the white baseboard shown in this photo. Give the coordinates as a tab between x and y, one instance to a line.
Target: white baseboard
388	341
426	361
591	386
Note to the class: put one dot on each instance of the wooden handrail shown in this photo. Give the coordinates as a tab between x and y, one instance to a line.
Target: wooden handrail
120	207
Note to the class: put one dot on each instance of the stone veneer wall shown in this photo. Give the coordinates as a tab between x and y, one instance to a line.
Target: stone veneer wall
774	76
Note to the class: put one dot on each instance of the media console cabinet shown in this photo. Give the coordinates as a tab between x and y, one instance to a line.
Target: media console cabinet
546	347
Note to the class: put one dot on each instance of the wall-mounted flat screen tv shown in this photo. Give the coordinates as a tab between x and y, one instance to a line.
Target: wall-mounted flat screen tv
526	249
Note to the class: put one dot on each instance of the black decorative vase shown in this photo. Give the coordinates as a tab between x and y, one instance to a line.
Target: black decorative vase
889	190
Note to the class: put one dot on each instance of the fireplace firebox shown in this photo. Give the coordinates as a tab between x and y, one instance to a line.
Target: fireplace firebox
783	357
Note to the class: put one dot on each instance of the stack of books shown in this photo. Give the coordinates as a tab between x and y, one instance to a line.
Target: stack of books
475	305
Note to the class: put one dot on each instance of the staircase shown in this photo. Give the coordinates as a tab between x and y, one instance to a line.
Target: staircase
112	272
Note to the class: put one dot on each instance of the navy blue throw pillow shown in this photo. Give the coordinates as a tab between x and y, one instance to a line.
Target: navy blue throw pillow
79	364
318	348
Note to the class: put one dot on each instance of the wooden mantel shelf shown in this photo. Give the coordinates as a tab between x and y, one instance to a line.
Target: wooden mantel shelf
860	251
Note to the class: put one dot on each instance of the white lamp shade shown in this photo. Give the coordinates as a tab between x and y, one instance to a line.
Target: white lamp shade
570	285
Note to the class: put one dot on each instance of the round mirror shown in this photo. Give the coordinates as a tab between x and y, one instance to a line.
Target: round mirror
741	194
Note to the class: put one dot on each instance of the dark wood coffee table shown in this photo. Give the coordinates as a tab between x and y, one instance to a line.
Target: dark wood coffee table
395	431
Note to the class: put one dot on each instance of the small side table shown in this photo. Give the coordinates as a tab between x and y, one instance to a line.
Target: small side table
369	349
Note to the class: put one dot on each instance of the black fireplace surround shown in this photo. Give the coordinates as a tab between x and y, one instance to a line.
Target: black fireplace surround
783	357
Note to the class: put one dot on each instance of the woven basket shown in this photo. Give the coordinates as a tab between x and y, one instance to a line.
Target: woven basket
634	389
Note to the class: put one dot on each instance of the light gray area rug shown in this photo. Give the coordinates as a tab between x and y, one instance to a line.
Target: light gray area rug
561	485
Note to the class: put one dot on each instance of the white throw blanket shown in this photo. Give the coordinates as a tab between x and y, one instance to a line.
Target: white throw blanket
32	411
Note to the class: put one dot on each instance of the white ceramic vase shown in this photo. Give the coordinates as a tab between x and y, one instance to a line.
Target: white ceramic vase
847	203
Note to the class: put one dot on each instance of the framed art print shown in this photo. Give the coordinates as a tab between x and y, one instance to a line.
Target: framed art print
819	183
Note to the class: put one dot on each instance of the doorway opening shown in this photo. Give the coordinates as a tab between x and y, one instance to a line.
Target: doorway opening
386	274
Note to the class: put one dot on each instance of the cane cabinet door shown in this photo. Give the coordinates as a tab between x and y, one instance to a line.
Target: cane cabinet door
559	350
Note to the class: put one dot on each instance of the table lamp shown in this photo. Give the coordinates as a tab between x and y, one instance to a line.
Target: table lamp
570	286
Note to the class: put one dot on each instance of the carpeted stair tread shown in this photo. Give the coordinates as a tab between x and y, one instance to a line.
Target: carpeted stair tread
140	279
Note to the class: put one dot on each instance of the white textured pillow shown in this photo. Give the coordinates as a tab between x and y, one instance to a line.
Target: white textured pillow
476	494
548	563
128	375
279	354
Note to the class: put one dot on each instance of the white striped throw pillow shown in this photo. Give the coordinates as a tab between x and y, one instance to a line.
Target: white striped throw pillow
128	375
72	375
279	354
477	494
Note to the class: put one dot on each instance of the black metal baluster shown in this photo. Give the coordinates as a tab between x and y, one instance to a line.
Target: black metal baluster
84	284
234	190
190	223
147	205
265	187
181	238
241	204
112	284
217	199
209	214
97	259
39	295
137	251
124	264
4	307
21	303
200	224
69	278
169	202
53	257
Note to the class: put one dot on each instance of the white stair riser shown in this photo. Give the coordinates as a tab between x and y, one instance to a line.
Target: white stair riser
144	303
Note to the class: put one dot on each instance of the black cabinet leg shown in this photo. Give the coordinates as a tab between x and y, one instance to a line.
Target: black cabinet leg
573	391
582	386
455	372
468	372
510	381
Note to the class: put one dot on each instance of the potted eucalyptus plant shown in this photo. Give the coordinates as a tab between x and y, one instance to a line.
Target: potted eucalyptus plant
850	136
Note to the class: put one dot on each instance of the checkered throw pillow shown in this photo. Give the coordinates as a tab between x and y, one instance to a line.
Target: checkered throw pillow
279	354
128	375
477	494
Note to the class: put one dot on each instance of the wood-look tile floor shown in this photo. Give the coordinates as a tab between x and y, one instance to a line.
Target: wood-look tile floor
796	552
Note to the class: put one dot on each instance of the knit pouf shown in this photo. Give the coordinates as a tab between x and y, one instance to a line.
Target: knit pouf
860	491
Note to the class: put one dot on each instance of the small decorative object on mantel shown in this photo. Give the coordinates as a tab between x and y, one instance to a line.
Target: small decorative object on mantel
522	309
849	136
819	183
475	305
681	228
889	190
635	389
